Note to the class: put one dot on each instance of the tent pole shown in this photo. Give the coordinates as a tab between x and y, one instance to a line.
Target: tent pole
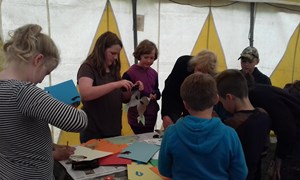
1	32
134	27
50	78
252	21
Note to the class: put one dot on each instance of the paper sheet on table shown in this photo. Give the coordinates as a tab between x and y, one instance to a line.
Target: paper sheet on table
123	139
113	160
156	141
154	162
155	156
88	154
139	151
104	145
65	92
92	173
142	172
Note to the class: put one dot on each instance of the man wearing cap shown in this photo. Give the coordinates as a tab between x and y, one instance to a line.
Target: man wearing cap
249	59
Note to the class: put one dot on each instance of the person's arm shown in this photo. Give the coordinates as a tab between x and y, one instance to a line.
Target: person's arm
62	152
36	103
172	104
89	92
167	121
156	90
85	78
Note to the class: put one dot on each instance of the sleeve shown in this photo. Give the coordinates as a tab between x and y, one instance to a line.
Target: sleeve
35	103
266	80
172	104
237	168
165	159
85	70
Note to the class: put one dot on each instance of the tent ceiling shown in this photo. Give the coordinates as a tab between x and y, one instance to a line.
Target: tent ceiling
286	2
203	3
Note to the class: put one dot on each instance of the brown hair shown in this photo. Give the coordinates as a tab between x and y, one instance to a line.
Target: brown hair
97	56
199	91
145	47
232	81
207	60
28	41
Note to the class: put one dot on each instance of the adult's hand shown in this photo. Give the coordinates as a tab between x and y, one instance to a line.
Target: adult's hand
167	121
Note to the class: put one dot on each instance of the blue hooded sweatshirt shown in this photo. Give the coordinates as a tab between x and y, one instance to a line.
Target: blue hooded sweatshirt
196	148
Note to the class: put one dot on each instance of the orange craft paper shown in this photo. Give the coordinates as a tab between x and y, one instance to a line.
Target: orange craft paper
104	145
155	169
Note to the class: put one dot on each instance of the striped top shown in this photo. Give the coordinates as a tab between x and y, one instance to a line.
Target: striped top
25	137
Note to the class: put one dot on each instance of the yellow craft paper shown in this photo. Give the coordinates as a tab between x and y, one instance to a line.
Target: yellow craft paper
141	172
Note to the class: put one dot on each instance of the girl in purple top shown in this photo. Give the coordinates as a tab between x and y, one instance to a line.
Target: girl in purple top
146	53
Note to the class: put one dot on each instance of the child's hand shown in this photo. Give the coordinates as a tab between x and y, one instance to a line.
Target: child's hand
125	85
62	152
140	85
152	96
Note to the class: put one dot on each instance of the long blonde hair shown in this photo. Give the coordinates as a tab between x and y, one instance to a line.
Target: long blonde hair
28	41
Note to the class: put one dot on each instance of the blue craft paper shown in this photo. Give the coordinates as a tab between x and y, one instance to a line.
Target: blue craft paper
65	92
139	151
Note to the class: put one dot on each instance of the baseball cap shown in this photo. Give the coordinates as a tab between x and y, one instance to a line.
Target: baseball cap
250	53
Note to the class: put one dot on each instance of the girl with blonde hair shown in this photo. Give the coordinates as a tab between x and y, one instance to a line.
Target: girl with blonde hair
26	110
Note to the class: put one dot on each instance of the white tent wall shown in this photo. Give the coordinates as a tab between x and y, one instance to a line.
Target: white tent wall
180	27
172	26
73	27
17	13
233	23
273	30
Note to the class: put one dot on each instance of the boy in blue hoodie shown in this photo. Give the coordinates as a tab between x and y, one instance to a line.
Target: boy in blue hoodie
200	146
